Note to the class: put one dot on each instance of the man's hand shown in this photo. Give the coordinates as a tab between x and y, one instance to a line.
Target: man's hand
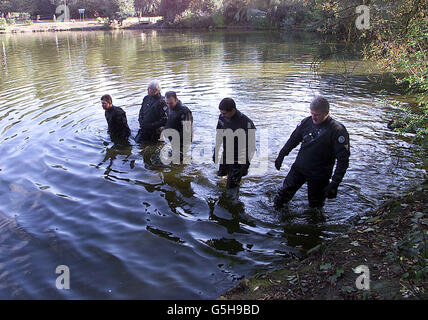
331	190
278	161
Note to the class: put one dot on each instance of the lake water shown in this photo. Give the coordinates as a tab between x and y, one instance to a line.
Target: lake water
129	227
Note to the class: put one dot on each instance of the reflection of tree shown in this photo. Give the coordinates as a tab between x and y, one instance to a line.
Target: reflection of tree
144	7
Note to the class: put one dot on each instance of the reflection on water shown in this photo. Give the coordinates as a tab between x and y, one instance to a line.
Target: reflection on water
128	226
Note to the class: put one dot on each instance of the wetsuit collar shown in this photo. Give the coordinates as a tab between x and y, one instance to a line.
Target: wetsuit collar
110	109
236	115
324	123
178	105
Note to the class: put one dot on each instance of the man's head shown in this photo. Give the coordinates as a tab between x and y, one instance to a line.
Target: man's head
227	108
153	88
171	99
319	110
106	101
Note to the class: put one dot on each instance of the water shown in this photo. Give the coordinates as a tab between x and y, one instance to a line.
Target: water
128	226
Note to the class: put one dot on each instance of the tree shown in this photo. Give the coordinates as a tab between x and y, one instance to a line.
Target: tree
112	9
203	6
169	9
119	9
147	7
17	5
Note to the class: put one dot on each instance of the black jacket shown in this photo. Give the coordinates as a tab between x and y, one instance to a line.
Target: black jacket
152	116
238	121
117	123
176	116
321	145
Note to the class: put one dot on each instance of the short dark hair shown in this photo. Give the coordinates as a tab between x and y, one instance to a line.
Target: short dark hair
227	104
170	94
107	98
320	103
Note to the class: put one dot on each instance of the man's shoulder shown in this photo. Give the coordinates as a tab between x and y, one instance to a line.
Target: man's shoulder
305	122
118	110
336	125
244	118
185	109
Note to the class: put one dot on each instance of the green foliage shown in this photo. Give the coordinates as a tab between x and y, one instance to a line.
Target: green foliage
218	19
170	9
260	21
123	9
339	273
18	5
202	6
117	10
289	14
112	9
20	16
189	19
326	266
412	250
147	7
236	11
398	42
3	24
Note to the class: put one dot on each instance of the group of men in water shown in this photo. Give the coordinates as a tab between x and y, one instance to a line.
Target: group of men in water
323	140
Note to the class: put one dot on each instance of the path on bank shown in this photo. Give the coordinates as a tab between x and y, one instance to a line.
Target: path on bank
55	26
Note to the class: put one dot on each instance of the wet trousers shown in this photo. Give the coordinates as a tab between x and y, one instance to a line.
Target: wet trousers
234	173
294	181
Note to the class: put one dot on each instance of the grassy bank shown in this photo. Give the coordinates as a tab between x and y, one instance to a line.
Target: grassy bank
391	241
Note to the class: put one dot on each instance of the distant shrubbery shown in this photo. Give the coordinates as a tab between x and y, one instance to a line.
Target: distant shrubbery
398	42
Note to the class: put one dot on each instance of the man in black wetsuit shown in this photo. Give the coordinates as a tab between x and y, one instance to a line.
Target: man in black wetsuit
181	120
324	140
152	114
116	120
237	133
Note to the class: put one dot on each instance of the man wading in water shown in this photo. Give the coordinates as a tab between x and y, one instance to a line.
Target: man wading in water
237	133
324	140
116	120
152	114
180	121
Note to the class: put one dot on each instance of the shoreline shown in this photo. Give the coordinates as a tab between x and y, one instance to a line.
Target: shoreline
53	27
380	240
99	26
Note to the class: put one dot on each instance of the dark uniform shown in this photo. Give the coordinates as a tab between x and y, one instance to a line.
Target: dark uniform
152	116
117	124
176	116
235	171
321	145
